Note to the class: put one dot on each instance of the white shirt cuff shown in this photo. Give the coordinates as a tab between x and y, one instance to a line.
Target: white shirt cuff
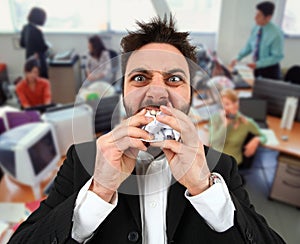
215	206
89	212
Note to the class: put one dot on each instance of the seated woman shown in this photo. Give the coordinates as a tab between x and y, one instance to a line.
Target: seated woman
98	66
230	129
33	90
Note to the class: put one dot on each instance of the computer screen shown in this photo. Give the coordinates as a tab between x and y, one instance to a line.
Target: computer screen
8	161
42	152
254	108
275	93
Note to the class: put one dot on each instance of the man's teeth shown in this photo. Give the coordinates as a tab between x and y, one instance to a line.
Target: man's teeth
153	112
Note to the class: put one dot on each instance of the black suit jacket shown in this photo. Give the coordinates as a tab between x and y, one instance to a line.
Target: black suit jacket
52	221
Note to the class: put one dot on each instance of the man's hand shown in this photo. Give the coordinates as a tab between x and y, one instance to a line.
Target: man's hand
186	158
233	63
252	65
116	154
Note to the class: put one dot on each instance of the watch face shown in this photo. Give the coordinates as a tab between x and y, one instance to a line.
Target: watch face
159	130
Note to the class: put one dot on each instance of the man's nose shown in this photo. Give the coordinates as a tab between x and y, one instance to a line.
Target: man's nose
157	90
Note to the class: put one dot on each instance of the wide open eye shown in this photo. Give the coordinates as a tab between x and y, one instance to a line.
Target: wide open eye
138	78
175	78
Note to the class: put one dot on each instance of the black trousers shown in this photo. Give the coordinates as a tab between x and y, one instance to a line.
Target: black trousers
271	72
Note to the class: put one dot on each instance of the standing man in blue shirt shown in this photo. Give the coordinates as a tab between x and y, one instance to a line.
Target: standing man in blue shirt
265	43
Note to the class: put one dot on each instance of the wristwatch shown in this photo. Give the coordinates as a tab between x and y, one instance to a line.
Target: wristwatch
214	179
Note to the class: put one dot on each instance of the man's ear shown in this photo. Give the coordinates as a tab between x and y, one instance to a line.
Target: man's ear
268	18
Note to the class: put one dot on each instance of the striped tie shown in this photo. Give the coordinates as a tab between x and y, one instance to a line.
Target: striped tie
256	50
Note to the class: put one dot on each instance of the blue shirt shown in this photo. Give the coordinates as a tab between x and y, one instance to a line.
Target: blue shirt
270	48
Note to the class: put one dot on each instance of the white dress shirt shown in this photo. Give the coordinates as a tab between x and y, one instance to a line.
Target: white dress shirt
90	210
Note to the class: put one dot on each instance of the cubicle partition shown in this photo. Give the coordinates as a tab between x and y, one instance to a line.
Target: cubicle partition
275	93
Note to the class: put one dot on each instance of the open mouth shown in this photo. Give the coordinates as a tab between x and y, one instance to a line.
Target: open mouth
152	109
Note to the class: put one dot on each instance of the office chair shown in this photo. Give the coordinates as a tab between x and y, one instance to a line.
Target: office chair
15	119
107	113
114	65
293	75
2	126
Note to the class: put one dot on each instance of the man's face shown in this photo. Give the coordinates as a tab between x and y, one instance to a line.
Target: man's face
261	19
33	74
156	74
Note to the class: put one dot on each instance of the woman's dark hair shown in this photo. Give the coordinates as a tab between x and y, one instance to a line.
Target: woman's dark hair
37	16
97	46
30	64
267	8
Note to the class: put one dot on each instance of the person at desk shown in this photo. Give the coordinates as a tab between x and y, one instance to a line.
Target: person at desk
33	90
163	193
33	40
98	66
229	130
265	43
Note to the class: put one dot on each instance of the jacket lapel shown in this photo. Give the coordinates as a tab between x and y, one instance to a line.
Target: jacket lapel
130	194
175	208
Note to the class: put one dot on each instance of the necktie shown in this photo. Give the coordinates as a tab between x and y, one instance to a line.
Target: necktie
257	43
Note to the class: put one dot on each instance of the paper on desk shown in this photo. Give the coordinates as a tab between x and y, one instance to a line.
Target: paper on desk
244	71
271	137
12	212
245	94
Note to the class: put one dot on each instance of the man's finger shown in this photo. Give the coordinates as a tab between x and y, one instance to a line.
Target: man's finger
130	131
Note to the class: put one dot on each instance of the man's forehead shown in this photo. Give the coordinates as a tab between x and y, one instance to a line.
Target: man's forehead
158	60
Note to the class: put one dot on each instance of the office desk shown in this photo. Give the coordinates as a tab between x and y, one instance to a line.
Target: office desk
286	183
65	79
291	146
13	191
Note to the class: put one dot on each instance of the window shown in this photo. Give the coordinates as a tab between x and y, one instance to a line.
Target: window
124	13
291	18
72	16
85	16
196	15
106	15
5	23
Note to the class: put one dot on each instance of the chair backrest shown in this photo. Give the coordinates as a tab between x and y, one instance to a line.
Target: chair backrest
106	112
114	64
15	119
293	74
2	126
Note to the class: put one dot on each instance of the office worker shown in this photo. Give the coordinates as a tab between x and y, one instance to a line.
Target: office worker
98	66
265	44
178	199
33	90
235	127
32	38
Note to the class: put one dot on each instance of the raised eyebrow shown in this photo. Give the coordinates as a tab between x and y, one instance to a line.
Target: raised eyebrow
138	70
177	70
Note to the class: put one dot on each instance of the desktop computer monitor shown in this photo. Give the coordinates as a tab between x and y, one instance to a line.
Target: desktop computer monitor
72	124
29	153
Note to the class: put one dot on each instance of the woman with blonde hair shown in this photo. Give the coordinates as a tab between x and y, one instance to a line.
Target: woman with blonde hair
230	129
